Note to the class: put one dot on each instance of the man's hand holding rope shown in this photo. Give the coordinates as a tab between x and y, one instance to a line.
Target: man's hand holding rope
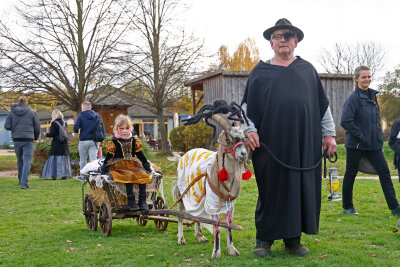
252	140
329	143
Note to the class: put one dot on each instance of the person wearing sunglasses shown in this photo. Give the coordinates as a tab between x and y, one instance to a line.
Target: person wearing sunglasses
289	118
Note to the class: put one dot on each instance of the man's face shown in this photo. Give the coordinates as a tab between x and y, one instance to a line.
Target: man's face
281	45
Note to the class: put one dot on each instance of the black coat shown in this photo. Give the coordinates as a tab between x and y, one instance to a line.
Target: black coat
286	105
361	120
394	143
57	148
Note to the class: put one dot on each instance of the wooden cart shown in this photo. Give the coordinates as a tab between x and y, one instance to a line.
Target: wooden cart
103	204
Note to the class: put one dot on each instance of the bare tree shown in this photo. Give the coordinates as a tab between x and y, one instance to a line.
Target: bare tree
344	58
68	50
166	56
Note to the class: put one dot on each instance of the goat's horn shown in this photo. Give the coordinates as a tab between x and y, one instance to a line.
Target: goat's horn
221	121
237	123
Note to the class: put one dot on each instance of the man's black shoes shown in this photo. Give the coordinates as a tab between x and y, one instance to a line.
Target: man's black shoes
263	249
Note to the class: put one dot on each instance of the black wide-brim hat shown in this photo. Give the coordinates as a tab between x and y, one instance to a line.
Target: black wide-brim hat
283	24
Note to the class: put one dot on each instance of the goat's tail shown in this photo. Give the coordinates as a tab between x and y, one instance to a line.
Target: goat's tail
175	190
176	195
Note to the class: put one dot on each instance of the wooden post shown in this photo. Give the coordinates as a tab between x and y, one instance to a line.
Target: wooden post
194	100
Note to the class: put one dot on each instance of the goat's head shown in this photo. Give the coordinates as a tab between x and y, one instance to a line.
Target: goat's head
232	138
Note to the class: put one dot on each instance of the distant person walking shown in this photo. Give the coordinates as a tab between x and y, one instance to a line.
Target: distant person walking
58	164
24	125
361	120
85	124
394	143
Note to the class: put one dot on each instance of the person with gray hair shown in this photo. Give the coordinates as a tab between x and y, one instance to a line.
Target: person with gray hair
361	120
289	123
24	125
85	125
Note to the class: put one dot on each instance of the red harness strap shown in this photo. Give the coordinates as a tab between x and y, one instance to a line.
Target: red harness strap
233	148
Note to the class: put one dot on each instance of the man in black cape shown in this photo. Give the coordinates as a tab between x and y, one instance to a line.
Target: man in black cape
289	113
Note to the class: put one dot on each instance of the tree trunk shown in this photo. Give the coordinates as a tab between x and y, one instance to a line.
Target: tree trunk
163	131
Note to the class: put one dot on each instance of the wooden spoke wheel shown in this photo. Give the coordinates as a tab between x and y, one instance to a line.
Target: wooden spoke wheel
90	212
160	203
105	218
141	220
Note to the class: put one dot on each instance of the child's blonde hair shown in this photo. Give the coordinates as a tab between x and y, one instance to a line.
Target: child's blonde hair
56	114
120	120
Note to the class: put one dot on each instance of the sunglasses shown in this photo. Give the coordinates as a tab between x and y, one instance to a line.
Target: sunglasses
287	35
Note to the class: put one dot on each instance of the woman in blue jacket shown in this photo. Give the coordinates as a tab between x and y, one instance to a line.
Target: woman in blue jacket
361	120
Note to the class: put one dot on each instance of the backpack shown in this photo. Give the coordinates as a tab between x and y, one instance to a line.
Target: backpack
99	133
63	134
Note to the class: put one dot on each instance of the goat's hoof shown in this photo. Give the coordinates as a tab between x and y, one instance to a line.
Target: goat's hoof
232	251
202	239
181	241
216	254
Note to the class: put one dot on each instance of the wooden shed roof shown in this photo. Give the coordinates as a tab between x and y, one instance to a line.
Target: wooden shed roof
201	78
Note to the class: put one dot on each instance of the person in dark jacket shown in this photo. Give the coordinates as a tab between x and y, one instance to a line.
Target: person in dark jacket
394	143
85	124
361	120
58	164
24	125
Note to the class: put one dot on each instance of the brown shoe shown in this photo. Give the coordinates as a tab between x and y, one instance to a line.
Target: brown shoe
262	249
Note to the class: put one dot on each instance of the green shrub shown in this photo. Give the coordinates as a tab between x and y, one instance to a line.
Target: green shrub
184	138
178	139
6	146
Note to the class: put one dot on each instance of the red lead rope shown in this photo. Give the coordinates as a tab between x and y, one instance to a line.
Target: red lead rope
229	218
233	148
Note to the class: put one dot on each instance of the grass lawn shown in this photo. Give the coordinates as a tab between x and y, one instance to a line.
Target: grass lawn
44	226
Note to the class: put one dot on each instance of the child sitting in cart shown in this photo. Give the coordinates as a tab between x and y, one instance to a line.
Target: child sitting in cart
120	163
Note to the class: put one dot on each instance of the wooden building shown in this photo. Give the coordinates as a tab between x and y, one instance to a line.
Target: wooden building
229	85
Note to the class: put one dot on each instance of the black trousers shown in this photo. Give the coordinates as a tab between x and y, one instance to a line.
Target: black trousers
377	159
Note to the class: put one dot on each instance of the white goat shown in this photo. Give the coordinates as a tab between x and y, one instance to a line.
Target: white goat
209	197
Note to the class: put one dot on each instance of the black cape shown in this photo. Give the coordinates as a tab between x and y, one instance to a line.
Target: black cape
286	105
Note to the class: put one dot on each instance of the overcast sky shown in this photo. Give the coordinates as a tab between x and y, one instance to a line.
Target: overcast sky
323	22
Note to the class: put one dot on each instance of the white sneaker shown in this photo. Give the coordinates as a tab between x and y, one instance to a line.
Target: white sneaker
80	178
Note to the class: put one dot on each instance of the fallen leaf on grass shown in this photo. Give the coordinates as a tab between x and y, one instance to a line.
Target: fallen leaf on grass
151	255
201	262
380	200
324	256
338	220
333	239
143	233
207	261
67	250
69	241
142	237
72	249
53	236
99	245
372	255
65	221
316	240
176	255
188	260
395	231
